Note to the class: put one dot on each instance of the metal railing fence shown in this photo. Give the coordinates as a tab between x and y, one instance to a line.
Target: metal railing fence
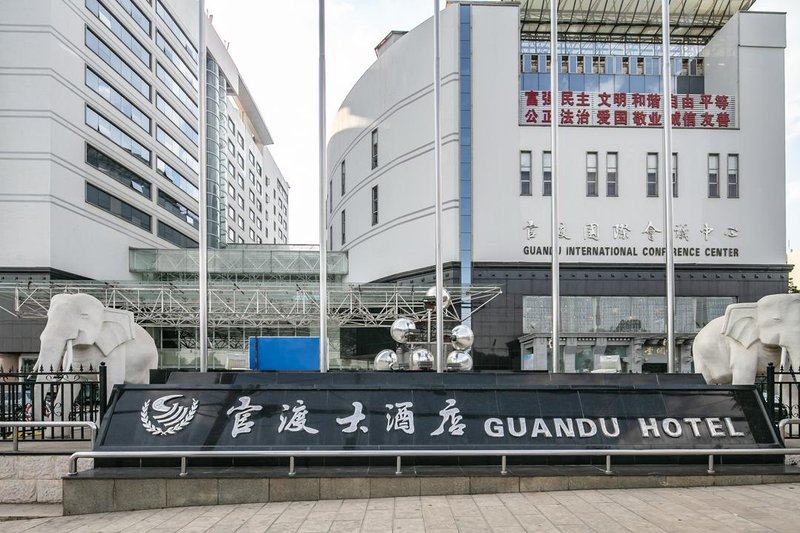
72	395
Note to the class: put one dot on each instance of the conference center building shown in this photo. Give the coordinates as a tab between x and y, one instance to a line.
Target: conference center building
728	172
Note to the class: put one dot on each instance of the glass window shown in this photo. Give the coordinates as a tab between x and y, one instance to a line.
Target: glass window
258	169
252	215
241	239
534	63
231	126
231	190
178	209
231	214
102	125
251	195
115	98
176	148
330	195
231	147
252	235
625	65
374	148
259	223
525	173
240	140
258	188
611	174
733	175
564	64
259	206
112	168
652	175
176	60
176	30
240	201
343	178
231	235
136	14
259	240
713	175
640	66
177	90
240	221
177	179
251	157
591	173
170	234
674	175
547	174
344	236
117	28
252	176
240	180
117	207
176	118
96	45
240	160
374	205
231	169
580	66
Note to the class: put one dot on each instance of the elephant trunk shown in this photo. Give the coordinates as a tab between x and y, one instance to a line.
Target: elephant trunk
51	354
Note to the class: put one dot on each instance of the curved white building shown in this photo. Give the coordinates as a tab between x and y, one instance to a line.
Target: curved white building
728	152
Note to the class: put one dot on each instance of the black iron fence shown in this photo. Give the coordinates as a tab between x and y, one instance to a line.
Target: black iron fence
781	392
76	394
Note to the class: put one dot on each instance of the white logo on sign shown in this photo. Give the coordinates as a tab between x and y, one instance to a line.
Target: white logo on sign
171	418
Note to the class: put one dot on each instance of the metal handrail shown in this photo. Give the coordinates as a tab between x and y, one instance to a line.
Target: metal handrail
184	456
786	422
47	424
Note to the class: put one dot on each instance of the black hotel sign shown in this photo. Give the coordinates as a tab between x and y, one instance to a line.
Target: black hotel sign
287	417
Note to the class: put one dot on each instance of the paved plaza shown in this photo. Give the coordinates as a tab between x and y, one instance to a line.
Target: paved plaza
748	508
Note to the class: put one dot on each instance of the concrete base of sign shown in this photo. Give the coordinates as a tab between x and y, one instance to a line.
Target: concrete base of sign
123	489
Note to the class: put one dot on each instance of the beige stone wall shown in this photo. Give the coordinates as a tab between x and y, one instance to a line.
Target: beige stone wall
33	478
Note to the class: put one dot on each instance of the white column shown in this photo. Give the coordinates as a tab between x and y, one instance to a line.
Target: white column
203	208
666	83
323	195
554	269
437	155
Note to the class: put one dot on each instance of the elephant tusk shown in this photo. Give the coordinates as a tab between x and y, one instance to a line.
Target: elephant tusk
784	353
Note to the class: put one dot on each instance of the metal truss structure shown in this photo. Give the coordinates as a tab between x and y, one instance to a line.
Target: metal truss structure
691	21
248	304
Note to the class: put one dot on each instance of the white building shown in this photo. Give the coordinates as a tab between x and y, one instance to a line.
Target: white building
99	143
728	150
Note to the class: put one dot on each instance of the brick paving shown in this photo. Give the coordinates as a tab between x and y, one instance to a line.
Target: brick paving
750	508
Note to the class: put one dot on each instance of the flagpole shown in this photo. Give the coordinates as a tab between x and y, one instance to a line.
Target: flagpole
666	82
323	195
203	186
555	274
437	151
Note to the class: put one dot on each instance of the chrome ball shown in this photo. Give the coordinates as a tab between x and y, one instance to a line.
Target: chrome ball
421	359
461	361
431	294
462	337
385	360
401	329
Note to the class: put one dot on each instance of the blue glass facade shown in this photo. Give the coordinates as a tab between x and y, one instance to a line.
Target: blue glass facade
465	157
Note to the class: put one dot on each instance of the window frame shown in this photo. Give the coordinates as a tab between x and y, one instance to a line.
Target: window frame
651	183
735	182
547	173
591	175
374	149
713	176
374	205
612	174
525	180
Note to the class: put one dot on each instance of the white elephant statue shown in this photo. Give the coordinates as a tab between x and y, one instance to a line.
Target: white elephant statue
734	348
81	331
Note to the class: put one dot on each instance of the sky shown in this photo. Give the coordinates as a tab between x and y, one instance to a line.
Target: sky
274	44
